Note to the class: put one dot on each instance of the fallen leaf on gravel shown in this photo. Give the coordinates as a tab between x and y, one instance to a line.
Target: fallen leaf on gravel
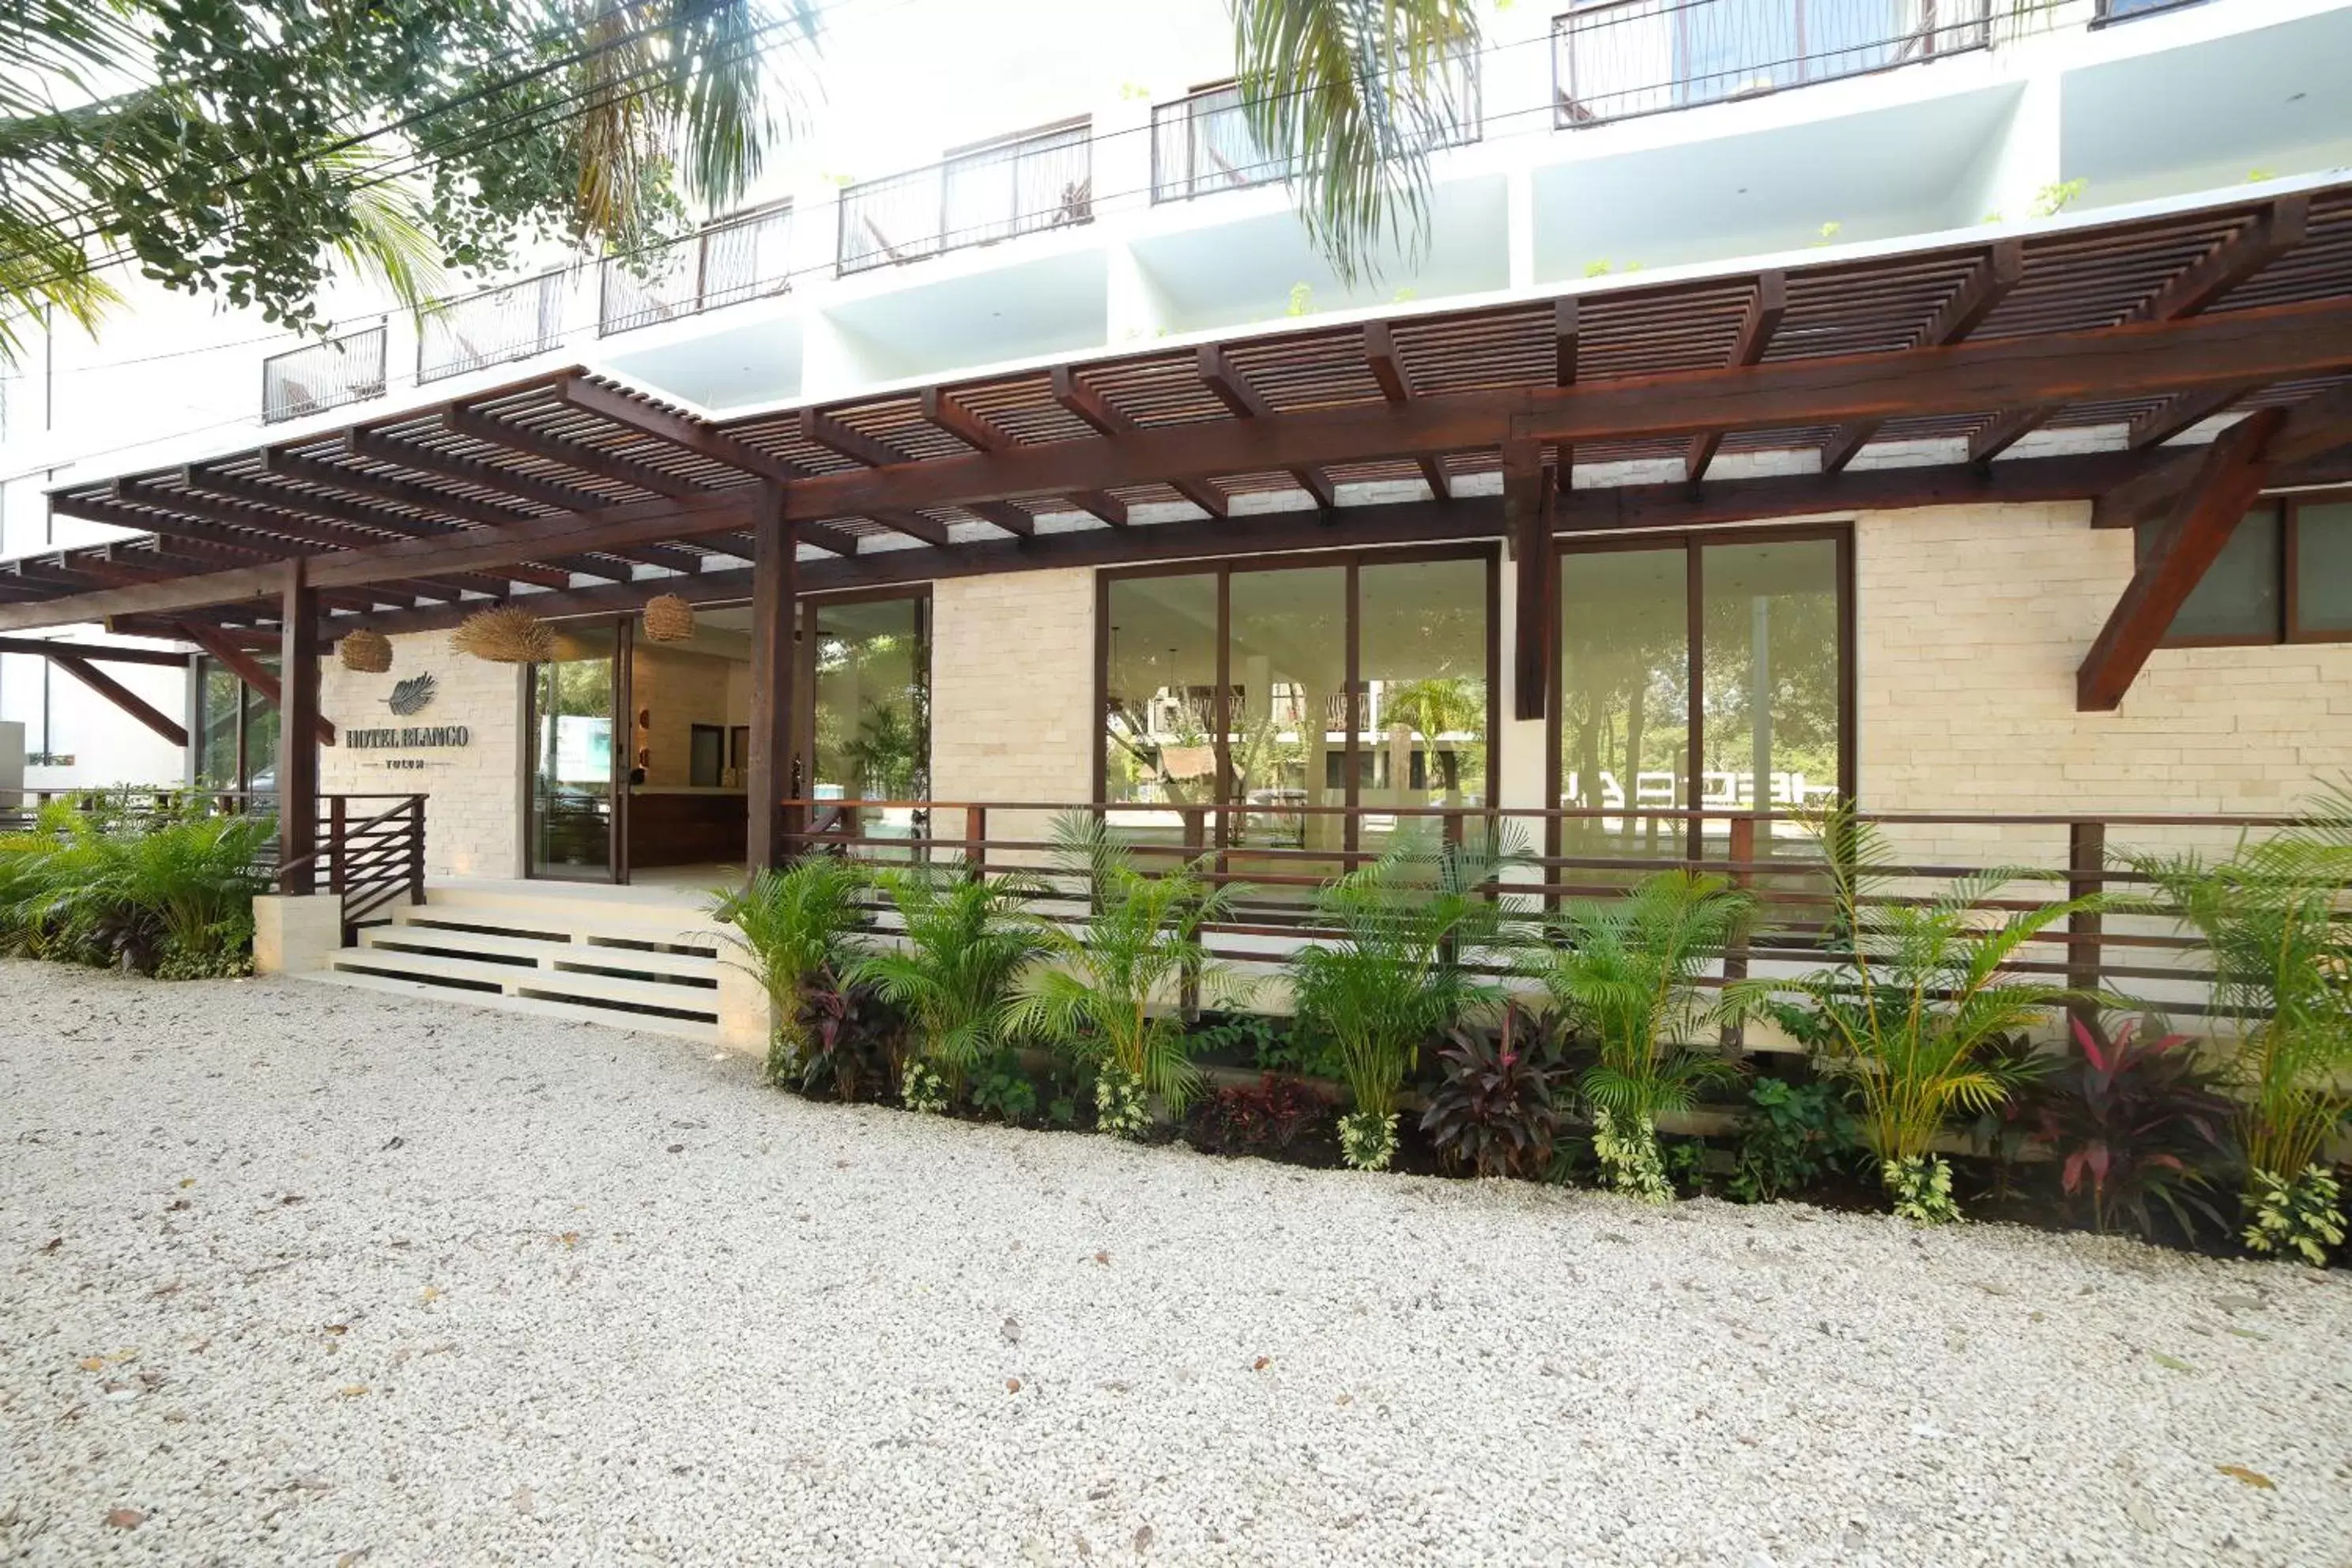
677	1148
187	1180
1262	1364
339	1327
1012	1386
54	1242
352	1390
569	1238
1102	1257
2246	1334
1142	1536
293	1198
432	1293
395	1144
2239	1303
352	1559
1346	1399
93	1363
524	1500
2171	1362
2251	1478
131	1519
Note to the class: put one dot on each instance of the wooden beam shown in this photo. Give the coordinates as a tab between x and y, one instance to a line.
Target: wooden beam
160	658
238	487
2273	232
298	726
2179	412
1388	371
1230	387
122	696
775	599
678	429
1527	490
1003	514
911	522
2230	476
821	429
249	669
1090	406
977	433
536	489
573	455
1986	286
1765	308
2315	428
1567	348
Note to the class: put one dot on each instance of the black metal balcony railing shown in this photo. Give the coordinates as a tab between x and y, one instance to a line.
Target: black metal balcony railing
1203	144
343	370
513	322
746	257
1020	186
1627	58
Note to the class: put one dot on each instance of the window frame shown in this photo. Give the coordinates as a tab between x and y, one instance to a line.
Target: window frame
1693	543
2286	516
1354	560
804	675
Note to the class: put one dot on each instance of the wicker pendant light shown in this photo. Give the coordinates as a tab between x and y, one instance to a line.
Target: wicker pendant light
669	619
505	634
368	652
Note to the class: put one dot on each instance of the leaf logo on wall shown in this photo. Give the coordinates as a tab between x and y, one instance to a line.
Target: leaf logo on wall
411	696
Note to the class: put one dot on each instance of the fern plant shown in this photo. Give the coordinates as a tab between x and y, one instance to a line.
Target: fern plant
964	942
794	927
1626	973
1105	994
1393	975
1919	991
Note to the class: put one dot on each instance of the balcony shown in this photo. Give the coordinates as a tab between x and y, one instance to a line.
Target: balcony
1625	58
349	369
1039	180
742	258
510	322
1203	144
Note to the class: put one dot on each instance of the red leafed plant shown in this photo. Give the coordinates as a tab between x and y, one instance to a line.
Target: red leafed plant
1493	1108
1262	1117
2134	1121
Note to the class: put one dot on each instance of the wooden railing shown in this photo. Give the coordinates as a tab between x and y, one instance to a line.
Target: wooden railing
370	846
1278	856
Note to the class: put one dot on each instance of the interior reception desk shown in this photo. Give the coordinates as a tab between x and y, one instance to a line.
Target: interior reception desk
681	825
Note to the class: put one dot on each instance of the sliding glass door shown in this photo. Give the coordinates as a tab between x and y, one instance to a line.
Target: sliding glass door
574	781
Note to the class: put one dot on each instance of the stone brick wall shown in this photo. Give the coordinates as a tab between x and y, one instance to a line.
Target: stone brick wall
1971	622
471	825
1012	685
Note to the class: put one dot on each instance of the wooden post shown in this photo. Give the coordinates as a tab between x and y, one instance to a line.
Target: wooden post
775	589
1526	519
2086	858
1195	842
338	826
298	728
975	842
1735	952
416	850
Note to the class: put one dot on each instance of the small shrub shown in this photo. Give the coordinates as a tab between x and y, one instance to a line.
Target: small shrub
1285	1045
1684	1163
923	1089
2133	1122
793	927
1368	1139
1629	1156
2299	1216
1264	1118
843	1044
1001	1090
1122	1104
1789	1139
1493	1109
1919	1189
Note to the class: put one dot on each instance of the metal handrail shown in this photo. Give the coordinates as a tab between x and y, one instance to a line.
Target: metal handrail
742	257
1021	185
323	375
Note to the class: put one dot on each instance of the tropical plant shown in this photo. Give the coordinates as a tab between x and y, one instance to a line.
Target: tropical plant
1351	97
2270	920
1626	971
848	1044
1271	1045
1002	1090
964	940
2133	1122
2299	1214
1790	1138
242	148
795	927
1109	992
1262	1117
170	894
1493	1109
1394	973
1919	989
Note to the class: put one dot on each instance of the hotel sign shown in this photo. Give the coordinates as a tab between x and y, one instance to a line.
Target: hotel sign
408	737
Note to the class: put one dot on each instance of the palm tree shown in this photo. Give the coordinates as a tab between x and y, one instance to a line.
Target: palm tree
965	941
1105	990
1394	973
1909	1013
1350	95
1627	973
793	926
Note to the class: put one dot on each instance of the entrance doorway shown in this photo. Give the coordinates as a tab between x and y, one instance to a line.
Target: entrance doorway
574	781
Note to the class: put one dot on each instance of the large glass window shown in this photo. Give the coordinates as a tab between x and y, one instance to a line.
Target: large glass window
571	762
236	732
1229	686
871	680
1770	672
2285	576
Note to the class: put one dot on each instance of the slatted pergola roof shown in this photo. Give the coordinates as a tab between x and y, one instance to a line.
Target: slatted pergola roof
594	495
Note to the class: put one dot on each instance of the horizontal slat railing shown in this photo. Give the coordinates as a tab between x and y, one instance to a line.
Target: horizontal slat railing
1569	854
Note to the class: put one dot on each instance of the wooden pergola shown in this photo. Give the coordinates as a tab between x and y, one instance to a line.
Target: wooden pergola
586	496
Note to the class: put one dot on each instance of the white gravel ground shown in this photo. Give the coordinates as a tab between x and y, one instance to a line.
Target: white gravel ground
304	1275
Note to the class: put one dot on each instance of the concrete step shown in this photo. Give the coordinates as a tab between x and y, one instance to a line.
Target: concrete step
554	920
425	935
535	1006
460	977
